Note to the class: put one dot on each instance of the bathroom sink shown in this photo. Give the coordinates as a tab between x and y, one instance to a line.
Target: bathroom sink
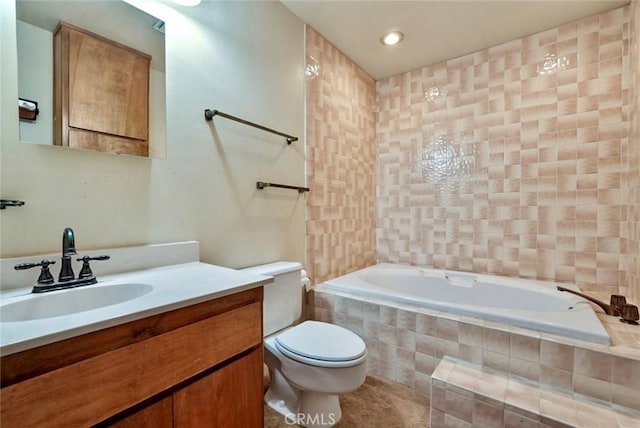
71	301
29	320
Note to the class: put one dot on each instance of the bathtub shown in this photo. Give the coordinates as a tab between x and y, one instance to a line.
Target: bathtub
535	305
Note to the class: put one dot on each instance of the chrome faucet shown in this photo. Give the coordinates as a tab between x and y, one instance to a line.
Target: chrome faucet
68	250
66	278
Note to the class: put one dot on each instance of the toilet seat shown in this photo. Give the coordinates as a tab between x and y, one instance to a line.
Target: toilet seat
322	344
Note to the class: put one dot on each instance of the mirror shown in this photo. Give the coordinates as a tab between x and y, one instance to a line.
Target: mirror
114	20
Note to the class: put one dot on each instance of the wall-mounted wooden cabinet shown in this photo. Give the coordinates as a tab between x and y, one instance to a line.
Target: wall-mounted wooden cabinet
101	93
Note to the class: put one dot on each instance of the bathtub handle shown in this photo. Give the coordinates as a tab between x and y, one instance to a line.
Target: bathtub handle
608	309
461	280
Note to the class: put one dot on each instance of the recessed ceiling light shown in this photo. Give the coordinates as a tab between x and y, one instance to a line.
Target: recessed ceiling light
391	38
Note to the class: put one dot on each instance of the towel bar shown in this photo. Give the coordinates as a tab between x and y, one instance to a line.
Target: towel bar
209	114
261	185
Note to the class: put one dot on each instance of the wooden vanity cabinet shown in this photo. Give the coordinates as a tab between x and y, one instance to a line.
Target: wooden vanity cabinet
225	398
100	92
191	367
156	415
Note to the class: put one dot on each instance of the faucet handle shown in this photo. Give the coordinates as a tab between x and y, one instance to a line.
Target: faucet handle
86	272
630	314
87	258
618	301
45	275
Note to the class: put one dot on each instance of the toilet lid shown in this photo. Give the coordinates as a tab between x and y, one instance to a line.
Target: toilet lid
321	341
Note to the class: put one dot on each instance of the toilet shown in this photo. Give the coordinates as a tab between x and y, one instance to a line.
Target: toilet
312	363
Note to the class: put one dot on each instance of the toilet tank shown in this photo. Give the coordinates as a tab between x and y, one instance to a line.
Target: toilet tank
282	305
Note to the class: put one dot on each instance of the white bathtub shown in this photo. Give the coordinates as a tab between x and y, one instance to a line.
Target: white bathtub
535	305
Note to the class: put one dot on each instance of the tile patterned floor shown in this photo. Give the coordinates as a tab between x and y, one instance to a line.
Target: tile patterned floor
377	403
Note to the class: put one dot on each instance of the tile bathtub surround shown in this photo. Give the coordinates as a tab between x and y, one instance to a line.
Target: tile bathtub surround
513	160
510	403
633	213
406	344
341	160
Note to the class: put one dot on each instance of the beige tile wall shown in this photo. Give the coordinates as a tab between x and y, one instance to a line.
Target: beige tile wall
513	160
634	156
341	160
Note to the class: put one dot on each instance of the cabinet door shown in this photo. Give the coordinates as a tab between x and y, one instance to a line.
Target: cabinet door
156	415
108	87
227	398
81	139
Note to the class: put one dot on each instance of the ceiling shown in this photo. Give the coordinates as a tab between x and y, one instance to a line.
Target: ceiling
433	30
115	20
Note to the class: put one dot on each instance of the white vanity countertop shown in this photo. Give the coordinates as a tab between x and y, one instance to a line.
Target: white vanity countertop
174	287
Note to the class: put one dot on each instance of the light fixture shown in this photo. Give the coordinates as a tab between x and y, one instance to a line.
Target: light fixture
391	38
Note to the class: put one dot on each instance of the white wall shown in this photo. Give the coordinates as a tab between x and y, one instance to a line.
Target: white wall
35	80
245	58
157	115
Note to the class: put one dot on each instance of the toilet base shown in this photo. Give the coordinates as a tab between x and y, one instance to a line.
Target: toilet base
318	410
281	397
305	408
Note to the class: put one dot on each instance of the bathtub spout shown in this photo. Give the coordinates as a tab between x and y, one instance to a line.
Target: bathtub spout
608	309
